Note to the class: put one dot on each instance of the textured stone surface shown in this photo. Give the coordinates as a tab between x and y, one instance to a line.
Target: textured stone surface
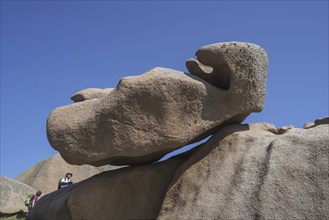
128	193
242	172
13	195
91	93
249	172
149	115
309	125
45	175
235	66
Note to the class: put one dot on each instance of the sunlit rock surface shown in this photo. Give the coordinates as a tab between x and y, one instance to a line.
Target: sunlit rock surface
127	193
254	172
13	194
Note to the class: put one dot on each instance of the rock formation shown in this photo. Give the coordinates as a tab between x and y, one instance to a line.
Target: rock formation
45	175
319	121
242	172
254	171
13	195
147	116
251	172
128	193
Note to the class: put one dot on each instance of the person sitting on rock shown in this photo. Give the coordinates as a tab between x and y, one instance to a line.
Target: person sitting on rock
66	181
34	200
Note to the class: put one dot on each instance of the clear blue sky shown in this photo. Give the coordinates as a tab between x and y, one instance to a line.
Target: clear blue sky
52	49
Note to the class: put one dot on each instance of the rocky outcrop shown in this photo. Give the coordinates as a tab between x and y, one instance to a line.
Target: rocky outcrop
13	195
242	172
254	171
45	175
251	172
128	193
147	116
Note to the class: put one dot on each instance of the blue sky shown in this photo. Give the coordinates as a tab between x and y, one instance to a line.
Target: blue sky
52	49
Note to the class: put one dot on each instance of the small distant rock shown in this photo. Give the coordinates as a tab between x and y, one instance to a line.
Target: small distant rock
283	129
269	127
13	194
91	93
45	175
309	125
321	121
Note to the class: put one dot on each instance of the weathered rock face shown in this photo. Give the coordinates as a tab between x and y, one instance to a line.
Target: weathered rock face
149	115
243	172
13	195
127	193
45	175
252	172
235	67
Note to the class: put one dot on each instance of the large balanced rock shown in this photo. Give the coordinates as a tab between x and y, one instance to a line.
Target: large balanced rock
13	195
252	172
128	193
45	175
147	116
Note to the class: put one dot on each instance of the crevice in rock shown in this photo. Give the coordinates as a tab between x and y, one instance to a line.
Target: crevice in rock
263	171
189	149
186	151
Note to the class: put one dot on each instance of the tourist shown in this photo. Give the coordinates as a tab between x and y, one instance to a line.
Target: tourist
34	200
66	181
